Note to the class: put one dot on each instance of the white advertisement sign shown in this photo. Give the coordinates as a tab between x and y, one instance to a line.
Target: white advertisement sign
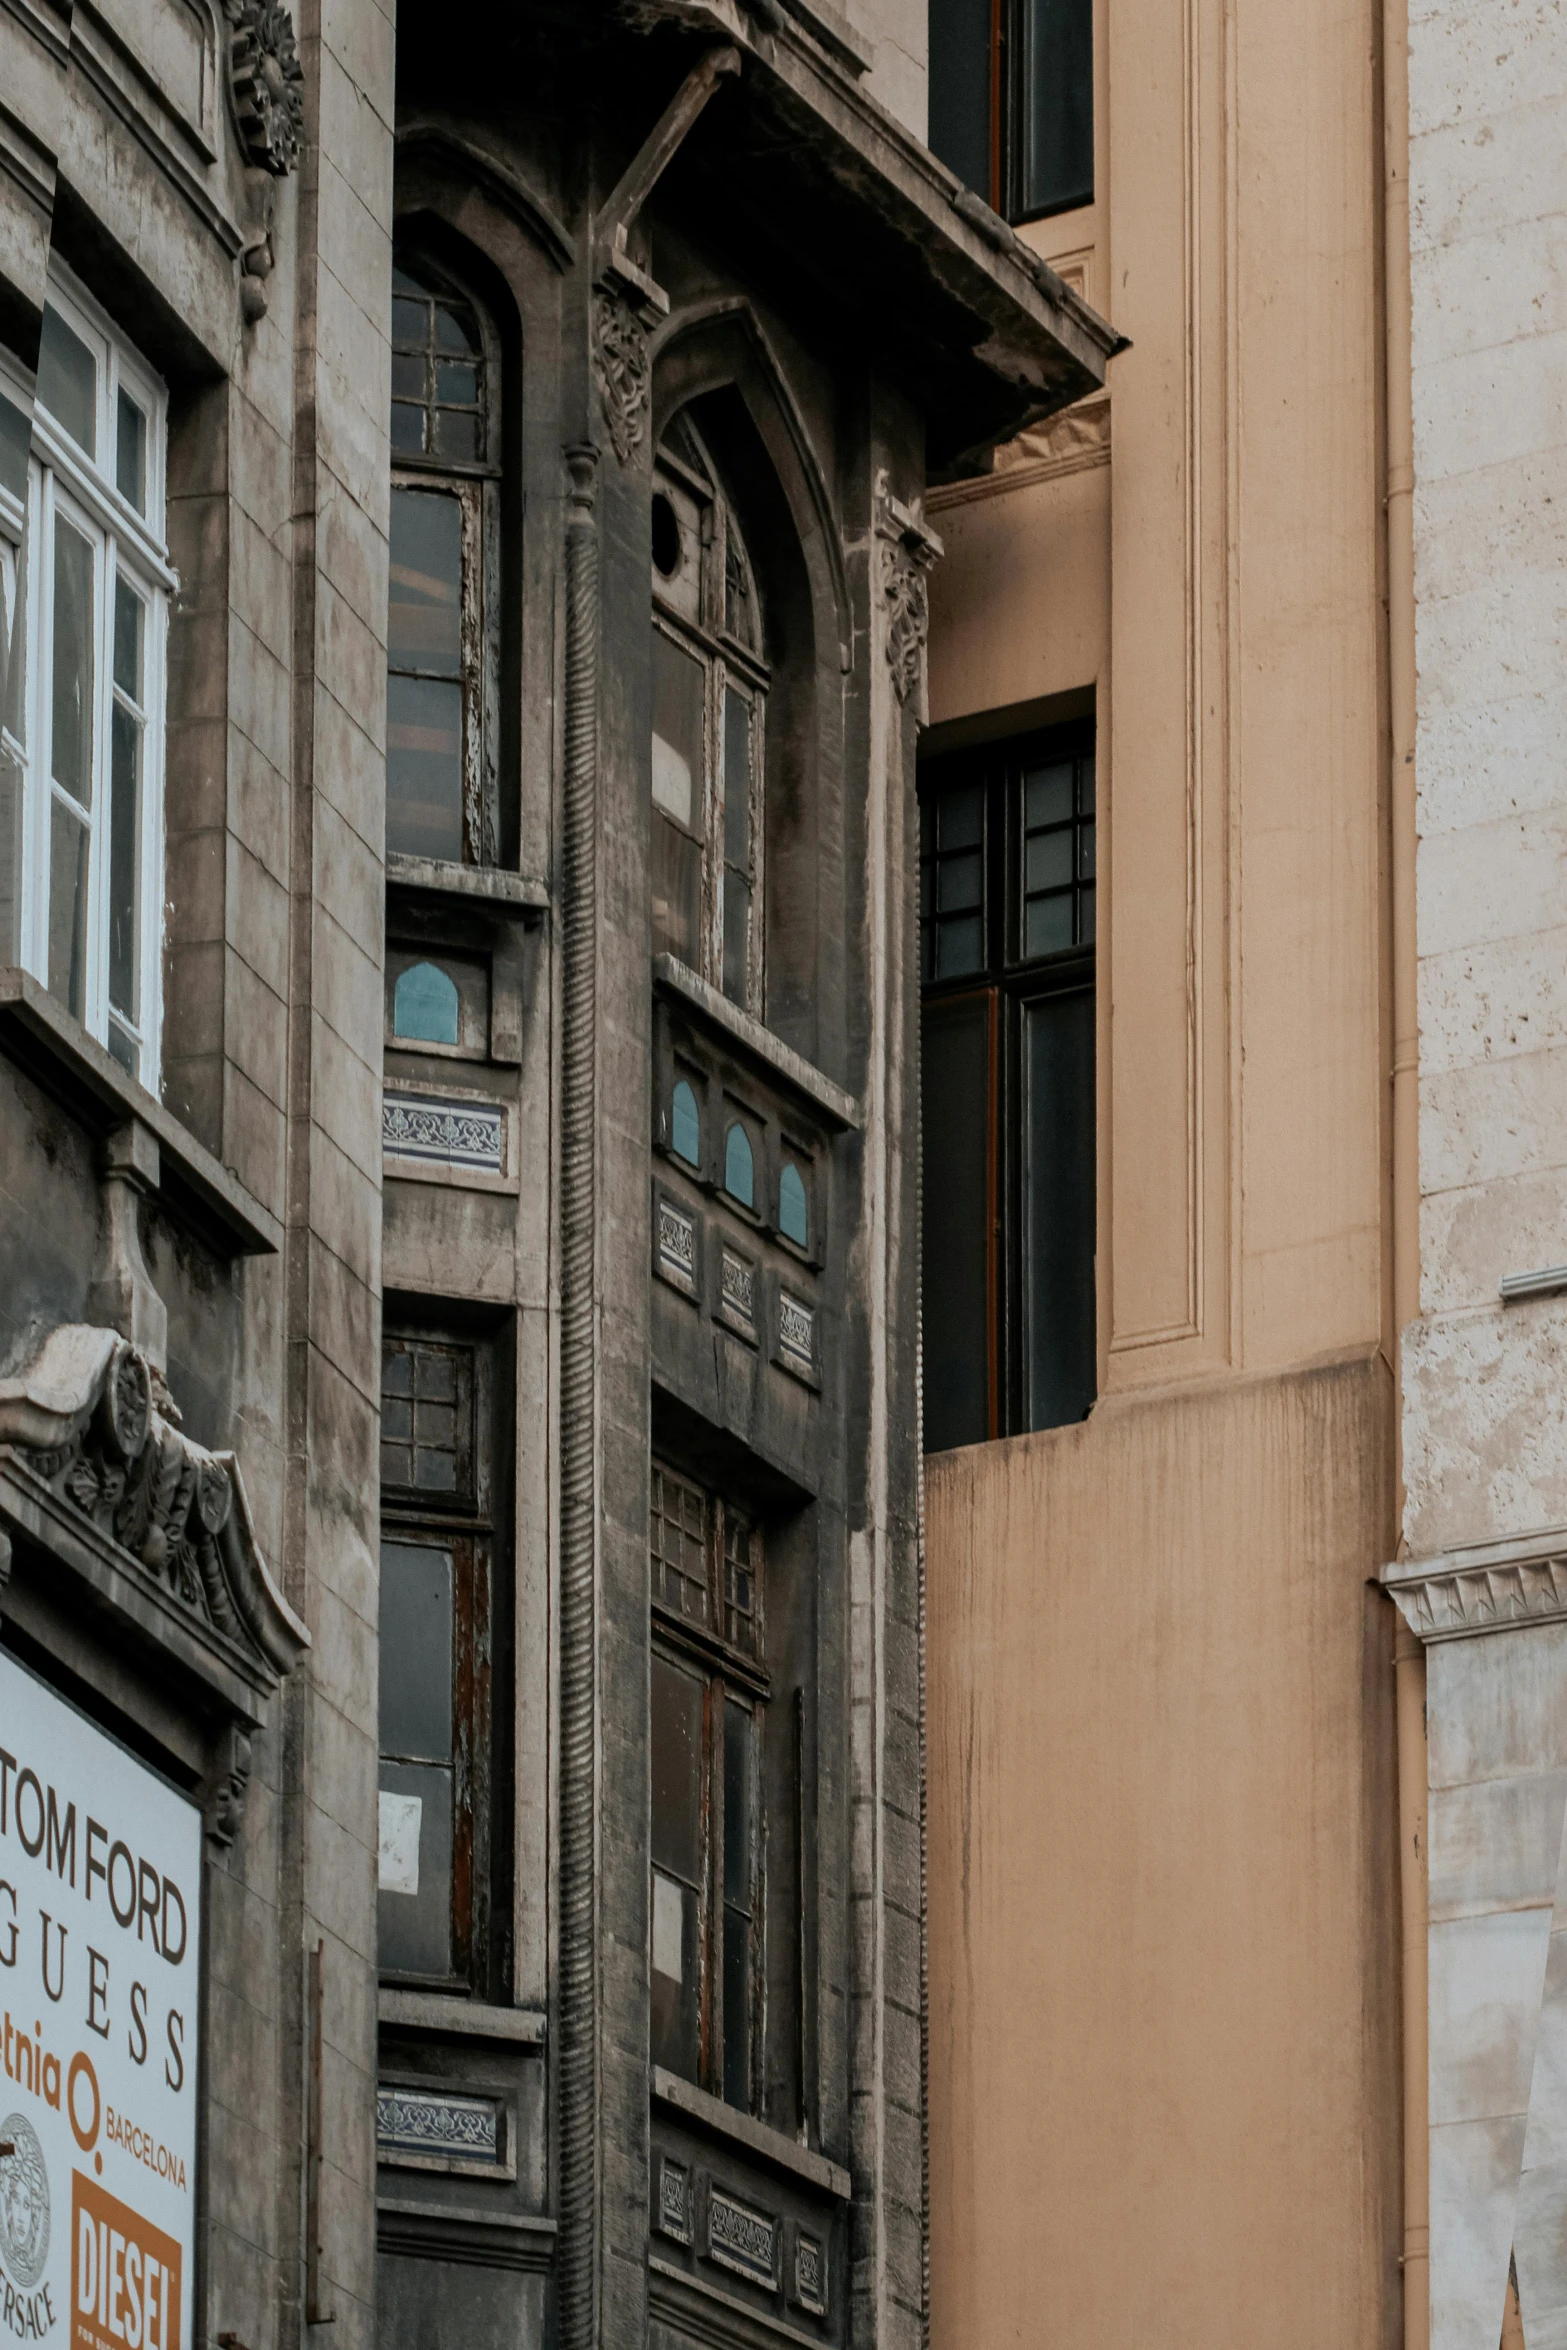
100	1919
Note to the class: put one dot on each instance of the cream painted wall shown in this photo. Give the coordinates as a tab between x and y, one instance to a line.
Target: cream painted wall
1163	1887
1165	2103
1485	1425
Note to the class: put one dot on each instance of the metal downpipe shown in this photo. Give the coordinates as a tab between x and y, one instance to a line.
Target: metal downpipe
578	2071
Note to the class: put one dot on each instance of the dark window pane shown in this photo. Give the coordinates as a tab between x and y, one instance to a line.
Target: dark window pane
16	440
68	909
679	731
68	381
1056	167
1085	852
407	430
960	948
962	818
738	1876
955	1116
677	1545
1085	785
676	882
424	608
1048	862
1058	1208
416	1652
1085	917
410	322
960	89
414	1913
454	328
675	2018
1047	795
737	781
130	453
960	883
72	652
457	435
737	935
1047	926
129	614
125	743
410	376
742	1558
793	1208
424	767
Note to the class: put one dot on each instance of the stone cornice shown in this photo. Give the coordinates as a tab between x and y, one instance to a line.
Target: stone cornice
1483	1587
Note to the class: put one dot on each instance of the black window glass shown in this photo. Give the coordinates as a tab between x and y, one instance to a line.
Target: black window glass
1055	164
738	1873
438	371
960	77
1058	1206
956	1115
678	1705
424	689
1011	100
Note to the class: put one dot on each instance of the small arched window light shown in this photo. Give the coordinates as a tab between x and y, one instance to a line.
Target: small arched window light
710	682
424	1005
794	1219
441	658
685	1127
739	1166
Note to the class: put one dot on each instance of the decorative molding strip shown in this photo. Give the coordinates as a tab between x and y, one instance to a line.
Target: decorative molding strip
1485	1587
1072	442
910	552
674	2200
808	2274
742	2239
1549	1281
427	2122
737	1292
442	1132
796	1332
676	1261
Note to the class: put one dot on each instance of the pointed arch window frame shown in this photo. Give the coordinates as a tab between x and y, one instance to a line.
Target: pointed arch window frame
726	951
475	484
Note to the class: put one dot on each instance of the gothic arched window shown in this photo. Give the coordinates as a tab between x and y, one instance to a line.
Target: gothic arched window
710	680
443	616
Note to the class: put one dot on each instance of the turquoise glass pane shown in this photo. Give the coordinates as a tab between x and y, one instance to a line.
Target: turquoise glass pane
685	1128
424	1005
739	1167
793	1216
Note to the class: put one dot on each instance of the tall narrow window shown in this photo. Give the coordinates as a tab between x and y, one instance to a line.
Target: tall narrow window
438	1637
1012	101
709	696
441	623
84	583
1007	899
709	1689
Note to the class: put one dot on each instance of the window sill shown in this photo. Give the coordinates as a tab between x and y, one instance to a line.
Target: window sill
59	1055
460	2019
840	1109
491	885
757	2138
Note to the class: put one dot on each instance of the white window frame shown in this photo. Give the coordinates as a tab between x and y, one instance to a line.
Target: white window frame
64	483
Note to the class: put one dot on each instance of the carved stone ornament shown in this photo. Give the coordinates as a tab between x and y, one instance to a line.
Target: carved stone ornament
90	1417
1494	1587
266	84
621	369
910	551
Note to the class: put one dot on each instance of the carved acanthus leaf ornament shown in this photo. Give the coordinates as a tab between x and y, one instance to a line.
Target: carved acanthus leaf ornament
266	84
90	1417
621	368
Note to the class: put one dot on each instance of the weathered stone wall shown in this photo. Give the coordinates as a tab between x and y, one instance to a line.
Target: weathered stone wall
1485	1433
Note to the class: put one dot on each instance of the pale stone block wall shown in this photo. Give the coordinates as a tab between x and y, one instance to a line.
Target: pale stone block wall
897	32
1485	1429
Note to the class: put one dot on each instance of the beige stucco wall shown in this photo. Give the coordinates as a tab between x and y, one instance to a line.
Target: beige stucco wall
1165	2103
1163	1894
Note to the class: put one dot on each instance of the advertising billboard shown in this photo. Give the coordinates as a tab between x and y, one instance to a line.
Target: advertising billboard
100	1962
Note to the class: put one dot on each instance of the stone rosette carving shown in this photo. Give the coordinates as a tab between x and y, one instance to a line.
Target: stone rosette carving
622	369
1494	1587
266	84
91	1417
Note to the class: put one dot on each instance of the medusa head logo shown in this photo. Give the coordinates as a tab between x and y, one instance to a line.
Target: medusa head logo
24	2202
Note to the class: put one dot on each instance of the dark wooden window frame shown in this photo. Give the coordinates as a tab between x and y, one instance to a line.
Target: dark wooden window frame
465	1523
1009	982
729	1676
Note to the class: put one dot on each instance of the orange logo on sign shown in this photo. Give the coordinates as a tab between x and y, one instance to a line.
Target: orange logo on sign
125	2276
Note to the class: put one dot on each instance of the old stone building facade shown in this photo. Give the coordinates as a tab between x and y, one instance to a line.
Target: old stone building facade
465	582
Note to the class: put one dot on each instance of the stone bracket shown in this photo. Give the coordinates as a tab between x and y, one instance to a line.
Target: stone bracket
1483	1587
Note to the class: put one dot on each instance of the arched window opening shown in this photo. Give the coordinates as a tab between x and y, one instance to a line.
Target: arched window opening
739	1166
424	1005
685	1127
443	619
794	1220
710	682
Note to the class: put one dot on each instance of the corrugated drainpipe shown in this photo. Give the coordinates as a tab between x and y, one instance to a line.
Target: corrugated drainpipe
577	2075
1409	1656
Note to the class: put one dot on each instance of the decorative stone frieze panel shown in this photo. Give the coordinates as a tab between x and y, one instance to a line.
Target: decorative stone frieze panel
910	551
